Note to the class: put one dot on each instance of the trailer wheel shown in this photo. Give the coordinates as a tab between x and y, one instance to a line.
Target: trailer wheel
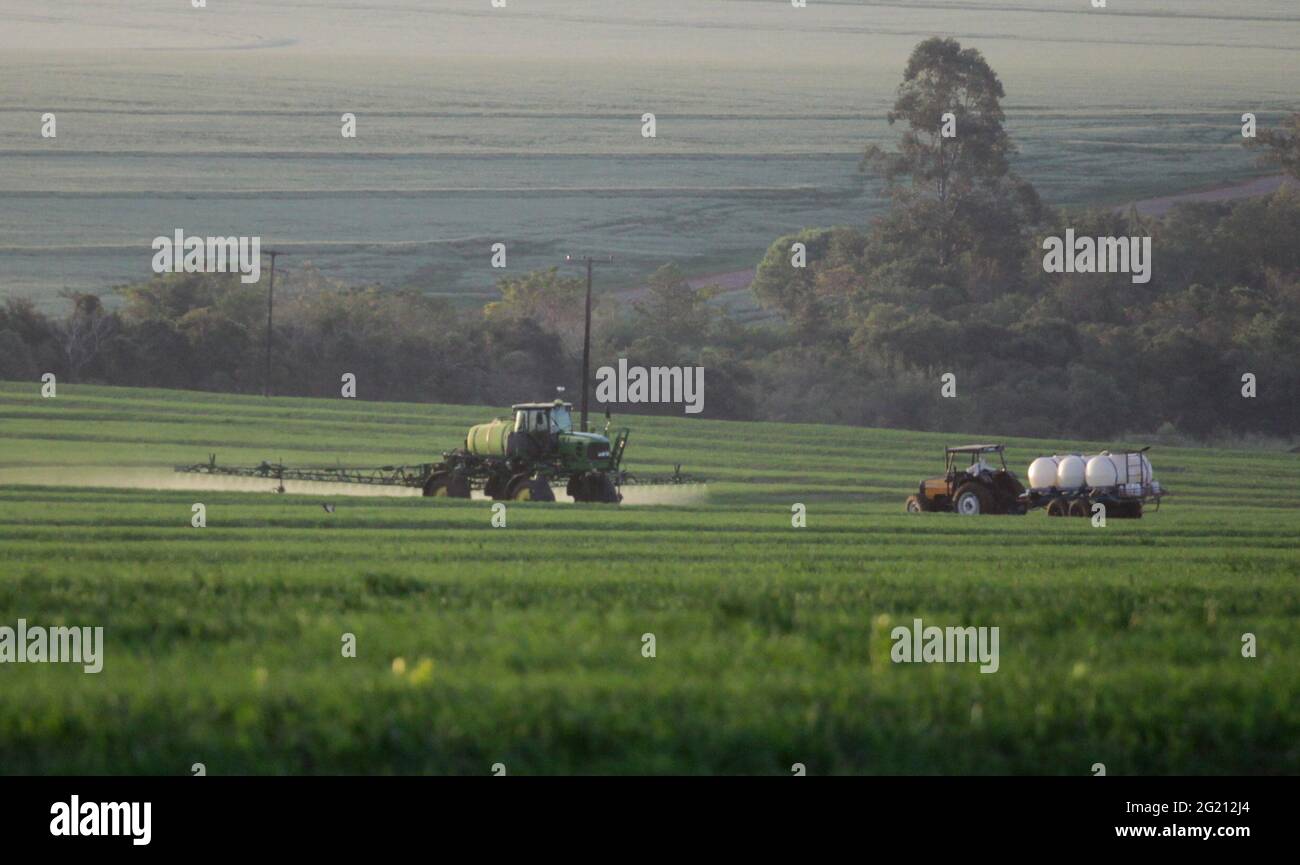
1127	511
915	505
1057	507
1079	508
972	499
447	485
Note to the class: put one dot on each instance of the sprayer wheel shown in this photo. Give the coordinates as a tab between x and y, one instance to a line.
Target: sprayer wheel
446	485
524	489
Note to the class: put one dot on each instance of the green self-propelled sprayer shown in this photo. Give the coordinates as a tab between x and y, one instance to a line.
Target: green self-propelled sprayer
517	457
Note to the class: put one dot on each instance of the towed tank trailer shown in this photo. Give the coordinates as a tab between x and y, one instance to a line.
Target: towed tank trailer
1069	485
976	481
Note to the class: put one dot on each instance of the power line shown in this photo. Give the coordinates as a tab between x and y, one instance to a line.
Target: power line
586	333
270	305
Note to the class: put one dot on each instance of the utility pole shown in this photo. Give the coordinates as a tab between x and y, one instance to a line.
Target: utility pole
270	304
586	333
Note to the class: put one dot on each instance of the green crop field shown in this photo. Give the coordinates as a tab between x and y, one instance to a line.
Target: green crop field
523	645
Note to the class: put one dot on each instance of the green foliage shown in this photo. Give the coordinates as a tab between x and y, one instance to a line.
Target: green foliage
1280	148
208	332
815	298
544	296
673	312
951	279
943	78
962	198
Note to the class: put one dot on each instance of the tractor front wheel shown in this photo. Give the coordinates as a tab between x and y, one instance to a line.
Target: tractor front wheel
972	499
915	505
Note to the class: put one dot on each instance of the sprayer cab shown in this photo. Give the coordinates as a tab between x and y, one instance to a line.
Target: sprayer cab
550	417
545	431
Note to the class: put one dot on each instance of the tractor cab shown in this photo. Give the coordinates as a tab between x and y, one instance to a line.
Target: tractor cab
973	460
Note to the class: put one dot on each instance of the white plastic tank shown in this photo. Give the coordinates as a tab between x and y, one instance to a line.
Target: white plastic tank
1148	473
1070	472
1133	471
1133	468
1104	470
1042	473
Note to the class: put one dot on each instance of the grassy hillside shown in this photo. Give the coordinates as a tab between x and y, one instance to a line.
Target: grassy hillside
522	645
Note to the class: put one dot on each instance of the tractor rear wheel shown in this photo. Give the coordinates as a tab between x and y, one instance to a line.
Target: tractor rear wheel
915	505
525	489
447	485
972	499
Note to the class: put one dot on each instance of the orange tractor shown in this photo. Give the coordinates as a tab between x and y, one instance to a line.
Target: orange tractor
972	483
